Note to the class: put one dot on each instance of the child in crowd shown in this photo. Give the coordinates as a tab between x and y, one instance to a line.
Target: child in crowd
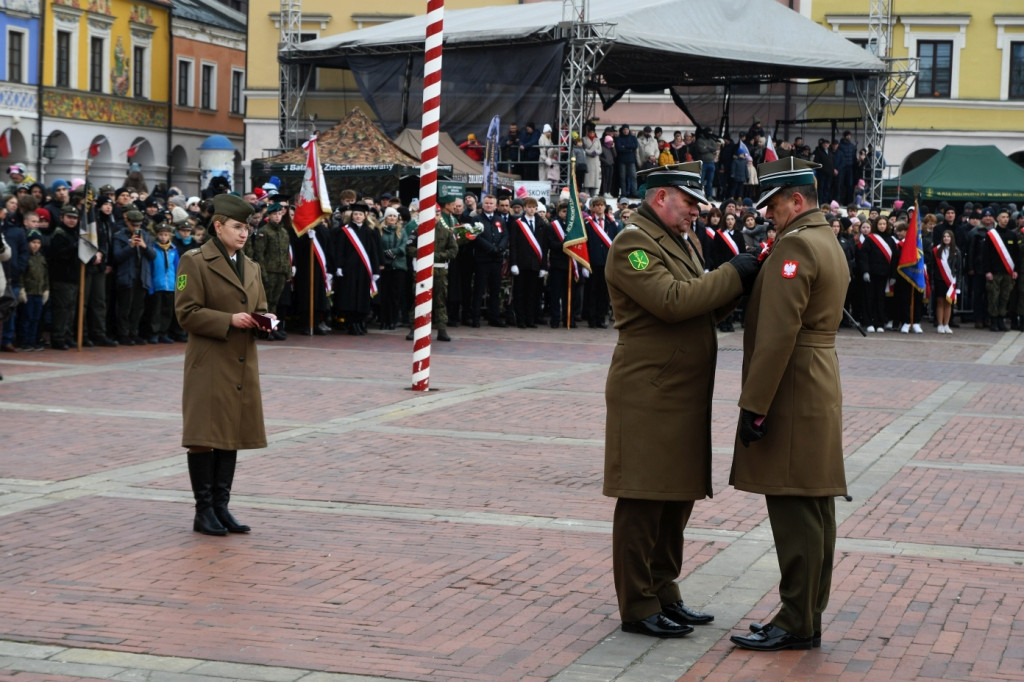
161	290
35	290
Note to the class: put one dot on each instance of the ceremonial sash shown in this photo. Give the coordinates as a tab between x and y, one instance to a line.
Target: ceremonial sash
1004	254
561	237
320	259
729	242
599	231
530	237
947	274
882	245
709	231
363	256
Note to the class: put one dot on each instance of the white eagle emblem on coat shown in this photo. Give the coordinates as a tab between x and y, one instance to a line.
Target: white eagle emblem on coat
789	269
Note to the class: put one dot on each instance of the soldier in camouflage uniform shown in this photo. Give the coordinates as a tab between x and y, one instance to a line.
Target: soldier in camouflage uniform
270	250
445	250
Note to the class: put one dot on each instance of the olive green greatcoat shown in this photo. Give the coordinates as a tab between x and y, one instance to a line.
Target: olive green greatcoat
221	402
662	374
790	367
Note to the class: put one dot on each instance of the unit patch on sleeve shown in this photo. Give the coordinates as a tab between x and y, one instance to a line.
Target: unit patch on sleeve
181	282
638	259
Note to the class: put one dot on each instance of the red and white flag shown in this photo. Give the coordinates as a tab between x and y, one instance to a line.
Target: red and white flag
5	143
132	151
769	151
312	205
94	148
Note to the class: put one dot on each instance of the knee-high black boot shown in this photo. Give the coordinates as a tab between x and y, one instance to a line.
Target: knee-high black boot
224	475
201	473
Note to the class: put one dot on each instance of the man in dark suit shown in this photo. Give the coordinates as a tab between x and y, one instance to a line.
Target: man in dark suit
488	254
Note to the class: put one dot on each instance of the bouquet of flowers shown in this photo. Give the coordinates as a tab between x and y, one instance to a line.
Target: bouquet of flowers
467	232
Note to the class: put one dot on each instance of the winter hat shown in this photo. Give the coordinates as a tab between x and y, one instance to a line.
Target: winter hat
33	235
391	211
58	184
44	214
547	128
179	217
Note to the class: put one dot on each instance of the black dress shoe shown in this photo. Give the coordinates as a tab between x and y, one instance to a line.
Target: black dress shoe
815	640
442	335
59	345
475	324
681	614
657	626
771	638
106	342
409	336
497	323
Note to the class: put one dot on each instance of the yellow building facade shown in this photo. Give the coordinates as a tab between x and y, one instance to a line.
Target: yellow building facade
970	83
106	82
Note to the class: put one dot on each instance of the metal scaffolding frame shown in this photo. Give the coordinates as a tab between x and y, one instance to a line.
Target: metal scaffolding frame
293	131
881	95
586	45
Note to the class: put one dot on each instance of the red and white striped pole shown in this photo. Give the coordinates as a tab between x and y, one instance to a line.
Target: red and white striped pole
428	195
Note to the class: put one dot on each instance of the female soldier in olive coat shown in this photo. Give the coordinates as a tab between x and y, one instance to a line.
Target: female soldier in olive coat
222	409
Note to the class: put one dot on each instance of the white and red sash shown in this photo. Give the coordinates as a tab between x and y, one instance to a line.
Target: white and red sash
710	231
321	260
882	245
942	263
729	242
1004	254
599	231
363	256
530	237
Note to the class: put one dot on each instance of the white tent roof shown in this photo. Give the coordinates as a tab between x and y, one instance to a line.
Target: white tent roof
656	43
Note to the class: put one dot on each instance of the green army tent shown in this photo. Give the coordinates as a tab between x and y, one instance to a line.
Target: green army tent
965	173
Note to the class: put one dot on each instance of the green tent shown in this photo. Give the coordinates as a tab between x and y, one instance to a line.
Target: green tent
965	173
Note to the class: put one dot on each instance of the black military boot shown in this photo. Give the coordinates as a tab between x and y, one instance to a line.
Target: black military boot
224	475
201	473
1002	324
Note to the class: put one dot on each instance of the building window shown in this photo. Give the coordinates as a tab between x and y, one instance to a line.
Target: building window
139	71
1016	71
184	83
935	68
237	85
15	56
63	59
208	86
96	49
850	85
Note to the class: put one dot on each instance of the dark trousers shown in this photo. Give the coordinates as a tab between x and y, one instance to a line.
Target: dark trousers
597	295
804	529
998	289
874	293
95	303
273	285
487	279
162	310
63	300
557	293
29	315
392	285
978	285
526	296
130	303
647	554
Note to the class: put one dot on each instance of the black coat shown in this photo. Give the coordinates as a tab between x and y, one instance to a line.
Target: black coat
490	245
871	260
521	252
352	289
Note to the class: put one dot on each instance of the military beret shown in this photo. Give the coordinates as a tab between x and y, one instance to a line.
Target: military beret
684	176
232	206
134	216
274	208
786	172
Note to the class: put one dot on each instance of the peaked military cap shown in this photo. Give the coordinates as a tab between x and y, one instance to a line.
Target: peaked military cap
232	206
787	172
685	176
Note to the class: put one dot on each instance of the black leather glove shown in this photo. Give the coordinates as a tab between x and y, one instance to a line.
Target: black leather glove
752	427
747	266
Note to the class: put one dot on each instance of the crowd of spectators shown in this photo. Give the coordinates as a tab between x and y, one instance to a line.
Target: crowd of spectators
363	257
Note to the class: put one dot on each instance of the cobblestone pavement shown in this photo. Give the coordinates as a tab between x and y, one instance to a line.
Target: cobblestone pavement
461	534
